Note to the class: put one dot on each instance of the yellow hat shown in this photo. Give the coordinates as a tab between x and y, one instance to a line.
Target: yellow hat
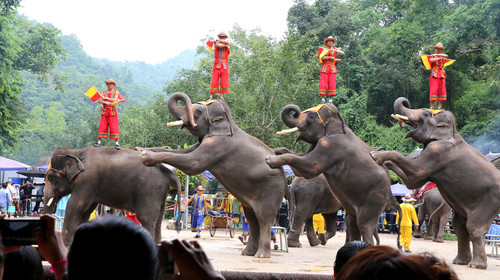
222	34
329	38
439	46
110	81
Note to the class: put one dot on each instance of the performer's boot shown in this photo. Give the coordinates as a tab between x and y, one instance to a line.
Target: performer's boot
323	100
98	144
117	145
330	101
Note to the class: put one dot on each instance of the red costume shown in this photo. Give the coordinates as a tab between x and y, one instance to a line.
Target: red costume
220	70
328	78
437	80
109	118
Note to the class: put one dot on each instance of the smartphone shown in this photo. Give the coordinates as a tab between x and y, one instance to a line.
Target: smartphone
21	232
167	268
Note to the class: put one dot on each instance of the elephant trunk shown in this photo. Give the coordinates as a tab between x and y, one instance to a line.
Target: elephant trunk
290	115
402	107
180	112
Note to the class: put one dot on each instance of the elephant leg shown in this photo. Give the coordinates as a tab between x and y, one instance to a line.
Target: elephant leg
477	226
77	212
330	227
367	225
254	233
464	255
311	234
443	220
293	238
151	220
352	229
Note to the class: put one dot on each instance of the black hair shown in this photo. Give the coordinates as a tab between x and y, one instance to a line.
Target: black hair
23	264
112	248
348	251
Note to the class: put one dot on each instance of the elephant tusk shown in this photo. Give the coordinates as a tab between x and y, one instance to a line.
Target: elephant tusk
50	201
176	123
400	117
287	131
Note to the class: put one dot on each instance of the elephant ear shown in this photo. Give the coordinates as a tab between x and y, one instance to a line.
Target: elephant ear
445	127
73	167
219	117
334	123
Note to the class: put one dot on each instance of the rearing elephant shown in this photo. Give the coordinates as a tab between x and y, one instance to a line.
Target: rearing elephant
435	207
235	158
465	178
114	178
363	188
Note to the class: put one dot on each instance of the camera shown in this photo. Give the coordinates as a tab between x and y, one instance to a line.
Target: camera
21	232
166	267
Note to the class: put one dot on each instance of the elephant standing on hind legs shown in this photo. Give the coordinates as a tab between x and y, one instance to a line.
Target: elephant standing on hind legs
117	179
465	178
235	158
363	187
438	211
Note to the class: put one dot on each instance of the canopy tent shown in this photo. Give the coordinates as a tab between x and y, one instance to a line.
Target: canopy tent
400	190
286	168
11	165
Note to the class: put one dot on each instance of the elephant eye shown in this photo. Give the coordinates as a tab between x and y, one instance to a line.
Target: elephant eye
198	112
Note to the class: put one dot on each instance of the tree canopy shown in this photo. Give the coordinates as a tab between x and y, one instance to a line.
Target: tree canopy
382	41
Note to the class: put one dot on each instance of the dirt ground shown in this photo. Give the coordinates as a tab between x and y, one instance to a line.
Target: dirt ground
224	253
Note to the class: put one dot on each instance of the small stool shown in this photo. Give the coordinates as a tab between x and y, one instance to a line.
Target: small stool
282	232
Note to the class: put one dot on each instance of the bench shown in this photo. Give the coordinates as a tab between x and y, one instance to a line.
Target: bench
282	233
494	240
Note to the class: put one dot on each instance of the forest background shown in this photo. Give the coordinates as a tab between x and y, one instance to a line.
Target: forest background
44	75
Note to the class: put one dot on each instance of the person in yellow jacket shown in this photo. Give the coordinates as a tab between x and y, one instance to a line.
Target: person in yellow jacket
409	214
319	223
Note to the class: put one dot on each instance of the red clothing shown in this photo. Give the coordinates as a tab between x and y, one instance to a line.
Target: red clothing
132	216
328	77
437	81
109	119
220	71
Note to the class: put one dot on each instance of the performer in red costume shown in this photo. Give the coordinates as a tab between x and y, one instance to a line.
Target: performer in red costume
109	116
220	70
437	82
327	56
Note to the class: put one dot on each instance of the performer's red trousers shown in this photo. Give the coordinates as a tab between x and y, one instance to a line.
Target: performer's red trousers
221	73
109	119
437	89
327	84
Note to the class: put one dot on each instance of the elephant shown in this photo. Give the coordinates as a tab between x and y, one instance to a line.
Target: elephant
309	197
438	211
468	182
362	186
234	157
116	178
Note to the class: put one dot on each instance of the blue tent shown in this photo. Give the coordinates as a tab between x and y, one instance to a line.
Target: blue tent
286	168
400	190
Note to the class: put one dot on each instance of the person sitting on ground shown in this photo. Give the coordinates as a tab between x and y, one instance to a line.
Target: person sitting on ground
345	253
125	250
383	262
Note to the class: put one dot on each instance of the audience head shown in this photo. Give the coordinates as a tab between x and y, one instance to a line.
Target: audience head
23	264
347	252
112	248
382	262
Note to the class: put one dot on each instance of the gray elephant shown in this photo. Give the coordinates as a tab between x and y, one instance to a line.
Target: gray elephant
309	197
114	178
438	212
363	188
468	182
235	158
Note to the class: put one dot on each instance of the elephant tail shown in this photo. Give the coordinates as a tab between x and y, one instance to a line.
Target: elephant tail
394	203
290	195
438	209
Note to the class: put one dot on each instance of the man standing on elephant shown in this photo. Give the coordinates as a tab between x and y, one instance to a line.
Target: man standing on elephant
109	115
199	211
437	82
327	56
220	70
409	214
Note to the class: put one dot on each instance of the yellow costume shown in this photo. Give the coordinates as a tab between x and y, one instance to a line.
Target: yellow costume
409	214
319	223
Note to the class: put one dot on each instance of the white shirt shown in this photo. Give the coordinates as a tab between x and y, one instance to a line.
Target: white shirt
14	191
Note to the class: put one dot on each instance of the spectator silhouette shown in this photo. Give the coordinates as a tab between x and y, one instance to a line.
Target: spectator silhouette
345	253
23	264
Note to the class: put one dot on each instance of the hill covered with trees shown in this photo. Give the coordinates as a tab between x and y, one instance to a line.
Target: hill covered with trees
382	41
